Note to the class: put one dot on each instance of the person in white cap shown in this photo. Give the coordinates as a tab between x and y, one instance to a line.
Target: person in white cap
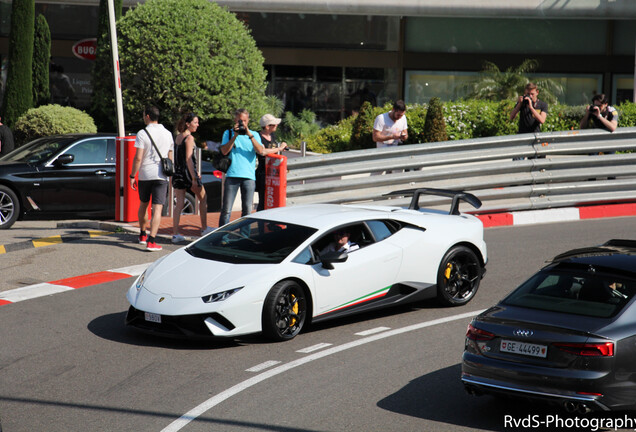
269	124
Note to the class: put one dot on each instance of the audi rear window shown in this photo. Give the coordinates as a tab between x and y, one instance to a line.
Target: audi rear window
579	293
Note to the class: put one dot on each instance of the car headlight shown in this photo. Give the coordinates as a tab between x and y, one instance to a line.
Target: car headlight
140	281
217	297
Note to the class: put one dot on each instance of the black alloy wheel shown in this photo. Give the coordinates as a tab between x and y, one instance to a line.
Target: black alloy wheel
458	276
9	207
284	311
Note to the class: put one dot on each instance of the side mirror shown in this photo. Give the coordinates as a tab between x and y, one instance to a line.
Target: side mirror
65	159
329	258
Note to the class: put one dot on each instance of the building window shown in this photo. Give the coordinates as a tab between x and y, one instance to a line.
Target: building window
518	36
624	37
323	31
622	89
421	86
333	93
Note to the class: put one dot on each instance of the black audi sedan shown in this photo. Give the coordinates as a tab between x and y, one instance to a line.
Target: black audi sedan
566	336
71	176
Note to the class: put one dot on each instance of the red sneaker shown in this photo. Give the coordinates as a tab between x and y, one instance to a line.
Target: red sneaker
143	238
153	247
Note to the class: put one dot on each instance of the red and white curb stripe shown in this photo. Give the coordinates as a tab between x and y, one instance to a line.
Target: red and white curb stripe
69	284
529	217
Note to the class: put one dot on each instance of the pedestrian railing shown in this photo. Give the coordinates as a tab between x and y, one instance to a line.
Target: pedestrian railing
518	172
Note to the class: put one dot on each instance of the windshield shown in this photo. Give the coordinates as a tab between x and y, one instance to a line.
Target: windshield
37	151
251	241
574	292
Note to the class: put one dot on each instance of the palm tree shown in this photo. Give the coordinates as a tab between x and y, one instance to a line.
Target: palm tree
495	85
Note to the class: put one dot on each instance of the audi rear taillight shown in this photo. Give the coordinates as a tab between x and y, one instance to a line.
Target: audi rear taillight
604	349
473	333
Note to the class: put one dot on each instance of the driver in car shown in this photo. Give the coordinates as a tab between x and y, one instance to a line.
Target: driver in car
340	243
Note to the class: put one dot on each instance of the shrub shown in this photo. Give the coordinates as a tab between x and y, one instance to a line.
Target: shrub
626	114
464	119
296	129
416	121
193	54
434	125
563	117
334	138
362	129
52	120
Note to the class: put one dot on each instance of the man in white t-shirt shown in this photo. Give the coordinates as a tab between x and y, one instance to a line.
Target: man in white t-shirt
390	129
152	181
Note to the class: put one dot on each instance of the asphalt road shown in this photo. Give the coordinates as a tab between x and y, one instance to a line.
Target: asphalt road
68	364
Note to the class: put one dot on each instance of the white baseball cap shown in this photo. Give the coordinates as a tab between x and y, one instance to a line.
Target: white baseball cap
269	119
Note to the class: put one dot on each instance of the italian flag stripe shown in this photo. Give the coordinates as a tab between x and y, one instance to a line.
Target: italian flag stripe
368	297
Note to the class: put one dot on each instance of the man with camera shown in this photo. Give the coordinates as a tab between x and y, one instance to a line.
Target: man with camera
600	114
532	111
242	145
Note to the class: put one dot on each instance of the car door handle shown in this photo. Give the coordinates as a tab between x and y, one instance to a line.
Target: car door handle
101	172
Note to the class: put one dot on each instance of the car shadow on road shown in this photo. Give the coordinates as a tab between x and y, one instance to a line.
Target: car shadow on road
112	327
440	397
376	314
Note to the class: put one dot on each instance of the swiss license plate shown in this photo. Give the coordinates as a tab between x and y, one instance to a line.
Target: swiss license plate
523	348
155	318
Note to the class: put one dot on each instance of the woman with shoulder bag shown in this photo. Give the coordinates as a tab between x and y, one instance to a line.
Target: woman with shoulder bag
186	176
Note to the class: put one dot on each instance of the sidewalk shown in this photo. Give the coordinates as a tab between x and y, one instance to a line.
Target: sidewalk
190	225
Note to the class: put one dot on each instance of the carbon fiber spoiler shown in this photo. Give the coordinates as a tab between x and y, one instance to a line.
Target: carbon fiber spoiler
457	196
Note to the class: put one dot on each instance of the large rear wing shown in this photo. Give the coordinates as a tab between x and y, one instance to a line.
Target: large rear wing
457	196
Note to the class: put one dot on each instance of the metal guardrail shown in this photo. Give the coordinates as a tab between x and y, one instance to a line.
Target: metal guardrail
518	172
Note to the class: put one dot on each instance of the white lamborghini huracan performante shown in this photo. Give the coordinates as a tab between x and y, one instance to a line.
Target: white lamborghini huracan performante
269	272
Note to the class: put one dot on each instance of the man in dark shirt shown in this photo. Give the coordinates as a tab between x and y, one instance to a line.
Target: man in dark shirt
600	114
532	111
6	139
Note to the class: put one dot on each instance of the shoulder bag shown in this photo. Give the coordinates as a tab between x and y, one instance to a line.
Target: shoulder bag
166	163
220	161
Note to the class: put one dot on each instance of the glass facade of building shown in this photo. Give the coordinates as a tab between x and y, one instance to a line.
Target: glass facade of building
331	64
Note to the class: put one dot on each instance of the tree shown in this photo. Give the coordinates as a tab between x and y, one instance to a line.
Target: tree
18	96
193	54
434	125
495	85
41	58
362	130
102	107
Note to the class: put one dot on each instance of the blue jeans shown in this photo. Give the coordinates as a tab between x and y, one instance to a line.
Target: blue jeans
230	189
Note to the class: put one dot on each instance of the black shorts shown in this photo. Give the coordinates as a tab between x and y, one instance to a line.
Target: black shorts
157	188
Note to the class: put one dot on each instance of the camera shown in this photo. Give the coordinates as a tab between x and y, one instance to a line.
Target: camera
594	109
242	130
526	100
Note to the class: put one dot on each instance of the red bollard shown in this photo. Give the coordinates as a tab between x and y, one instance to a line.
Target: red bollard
275	181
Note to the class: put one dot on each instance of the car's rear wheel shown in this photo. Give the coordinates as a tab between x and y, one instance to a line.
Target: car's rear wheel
9	207
188	204
458	276
284	311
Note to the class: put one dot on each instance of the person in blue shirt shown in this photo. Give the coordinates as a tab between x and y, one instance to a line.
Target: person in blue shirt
242	145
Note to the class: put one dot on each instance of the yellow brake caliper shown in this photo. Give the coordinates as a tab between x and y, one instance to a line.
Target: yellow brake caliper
294	310
447	272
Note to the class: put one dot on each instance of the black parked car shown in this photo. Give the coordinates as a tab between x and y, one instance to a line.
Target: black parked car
567	335
71	176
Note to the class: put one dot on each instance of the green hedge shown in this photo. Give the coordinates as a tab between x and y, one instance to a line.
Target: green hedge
464	119
52	120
